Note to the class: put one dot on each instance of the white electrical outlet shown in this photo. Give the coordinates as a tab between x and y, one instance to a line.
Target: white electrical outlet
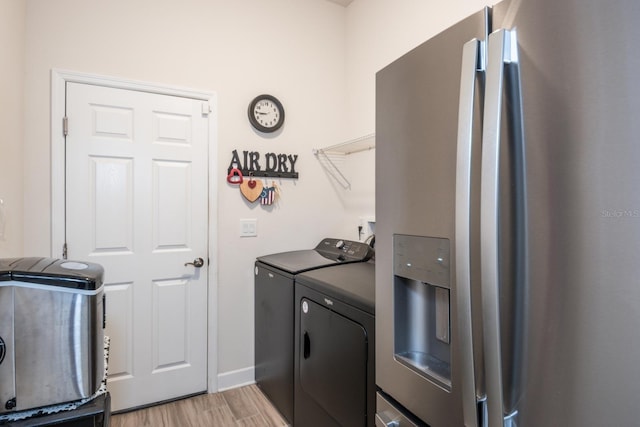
248	227
366	227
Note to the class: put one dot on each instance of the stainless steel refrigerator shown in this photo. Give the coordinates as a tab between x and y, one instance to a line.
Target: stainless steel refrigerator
508	220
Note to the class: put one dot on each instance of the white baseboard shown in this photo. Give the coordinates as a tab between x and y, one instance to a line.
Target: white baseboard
237	378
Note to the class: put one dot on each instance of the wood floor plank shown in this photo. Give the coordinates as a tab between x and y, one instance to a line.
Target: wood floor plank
241	407
184	413
240	403
159	415
254	421
266	409
197	411
221	416
205	402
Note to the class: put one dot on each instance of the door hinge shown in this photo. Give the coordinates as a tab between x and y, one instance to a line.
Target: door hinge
206	108
64	251
65	126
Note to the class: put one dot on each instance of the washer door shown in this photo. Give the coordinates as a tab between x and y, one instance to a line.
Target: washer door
274	350
333	362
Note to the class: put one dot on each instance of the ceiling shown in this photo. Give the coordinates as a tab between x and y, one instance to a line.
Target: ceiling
344	3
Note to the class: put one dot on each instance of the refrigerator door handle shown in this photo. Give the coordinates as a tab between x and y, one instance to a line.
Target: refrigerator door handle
472	62
502	51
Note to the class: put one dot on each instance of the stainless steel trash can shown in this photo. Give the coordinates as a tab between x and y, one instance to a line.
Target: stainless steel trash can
51	332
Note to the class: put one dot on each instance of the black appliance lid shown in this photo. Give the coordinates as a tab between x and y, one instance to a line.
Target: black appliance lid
353	284
52	272
297	261
327	253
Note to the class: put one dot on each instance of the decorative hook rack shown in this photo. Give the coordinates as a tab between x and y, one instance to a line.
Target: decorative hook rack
266	174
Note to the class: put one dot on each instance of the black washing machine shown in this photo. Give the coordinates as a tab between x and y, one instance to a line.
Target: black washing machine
275	277
334	347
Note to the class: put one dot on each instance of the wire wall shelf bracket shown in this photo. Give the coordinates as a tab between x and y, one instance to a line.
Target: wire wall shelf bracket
330	156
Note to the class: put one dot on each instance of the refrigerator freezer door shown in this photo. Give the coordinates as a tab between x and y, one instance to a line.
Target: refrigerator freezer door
417	101
579	67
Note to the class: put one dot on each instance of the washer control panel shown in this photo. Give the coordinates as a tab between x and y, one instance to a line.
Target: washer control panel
344	250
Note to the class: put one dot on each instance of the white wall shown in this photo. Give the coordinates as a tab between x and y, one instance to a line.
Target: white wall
293	49
378	32
12	19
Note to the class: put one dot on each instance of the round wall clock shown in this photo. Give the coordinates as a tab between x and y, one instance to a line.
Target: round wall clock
266	113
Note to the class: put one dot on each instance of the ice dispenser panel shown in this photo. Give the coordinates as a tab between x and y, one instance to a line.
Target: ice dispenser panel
422	325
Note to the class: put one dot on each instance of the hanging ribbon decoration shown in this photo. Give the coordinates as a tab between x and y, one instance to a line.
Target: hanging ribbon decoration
269	194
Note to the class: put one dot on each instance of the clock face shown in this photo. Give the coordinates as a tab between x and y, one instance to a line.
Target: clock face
266	113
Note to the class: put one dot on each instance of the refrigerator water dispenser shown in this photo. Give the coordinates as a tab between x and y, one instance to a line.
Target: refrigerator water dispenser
422	323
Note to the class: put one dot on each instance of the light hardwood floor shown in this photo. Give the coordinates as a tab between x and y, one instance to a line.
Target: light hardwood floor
243	406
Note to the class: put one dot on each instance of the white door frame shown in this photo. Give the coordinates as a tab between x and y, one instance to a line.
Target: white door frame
59	79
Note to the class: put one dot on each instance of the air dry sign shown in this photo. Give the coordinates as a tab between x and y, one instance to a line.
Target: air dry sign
268	165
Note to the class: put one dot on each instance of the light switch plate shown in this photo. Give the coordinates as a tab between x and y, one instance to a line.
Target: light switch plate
248	227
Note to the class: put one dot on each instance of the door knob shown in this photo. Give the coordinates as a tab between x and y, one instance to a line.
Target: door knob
198	262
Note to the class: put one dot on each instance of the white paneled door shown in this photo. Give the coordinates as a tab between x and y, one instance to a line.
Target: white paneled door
136	203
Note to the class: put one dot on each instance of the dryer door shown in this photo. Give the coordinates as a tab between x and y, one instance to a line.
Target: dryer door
333	362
